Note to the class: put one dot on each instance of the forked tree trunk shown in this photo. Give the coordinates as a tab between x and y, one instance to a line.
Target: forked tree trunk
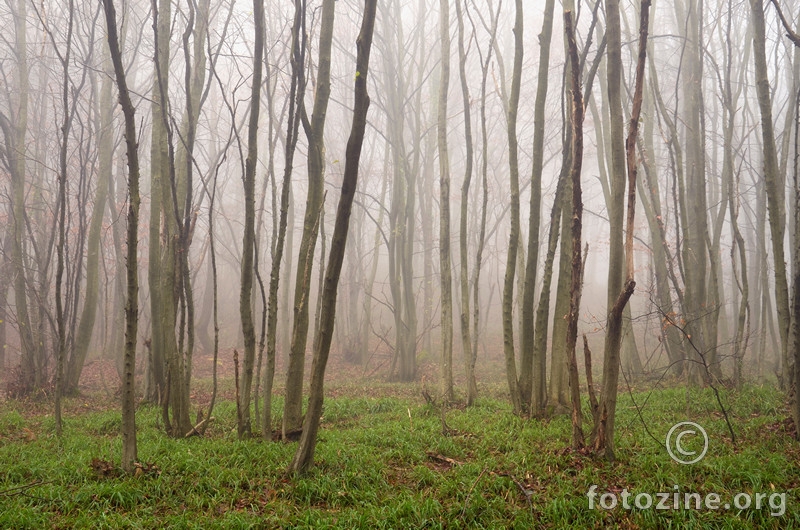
466	341
603	439
513	244
533	376
304	456
248	242
315	130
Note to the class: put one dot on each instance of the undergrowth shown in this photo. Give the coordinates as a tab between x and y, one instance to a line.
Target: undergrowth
384	462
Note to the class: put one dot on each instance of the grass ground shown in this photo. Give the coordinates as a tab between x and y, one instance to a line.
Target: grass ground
383	462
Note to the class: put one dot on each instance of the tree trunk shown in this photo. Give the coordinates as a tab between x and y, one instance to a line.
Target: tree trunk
444	206
513	244
533	376
296	93
577	215
605	415
62	249
773	181
466	341
304	456
248	242
315	129
129	455
105	149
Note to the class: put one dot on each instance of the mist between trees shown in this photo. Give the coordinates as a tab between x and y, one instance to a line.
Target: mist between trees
400	186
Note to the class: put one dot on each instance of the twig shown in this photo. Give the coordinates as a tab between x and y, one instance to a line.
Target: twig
195	431
790	33
469	493
525	491
20	490
708	374
443	459
587	361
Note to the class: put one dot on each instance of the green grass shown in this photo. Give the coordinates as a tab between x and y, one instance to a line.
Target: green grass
374	468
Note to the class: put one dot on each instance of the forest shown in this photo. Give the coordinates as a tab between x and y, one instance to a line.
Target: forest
399	263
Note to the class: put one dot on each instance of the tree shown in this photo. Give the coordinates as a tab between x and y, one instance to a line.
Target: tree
304	456
296	93
105	148
774	185
444	206
533	376
129	453
513	244
66	124
315	130
603	433
577	218
466	340
248	241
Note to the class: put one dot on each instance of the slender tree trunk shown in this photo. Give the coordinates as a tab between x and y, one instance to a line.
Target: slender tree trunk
466	341
444	206
304	456
513	244
604	418
773	181
533	370
296	93
293	406
129	454
248	242
62	218
577	217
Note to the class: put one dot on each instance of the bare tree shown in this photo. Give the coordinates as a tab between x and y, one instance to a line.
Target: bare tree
603	435
304	456
129	453
314	129
248	242
444	206
513	245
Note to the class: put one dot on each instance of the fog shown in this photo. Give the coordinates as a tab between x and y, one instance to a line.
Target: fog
705	225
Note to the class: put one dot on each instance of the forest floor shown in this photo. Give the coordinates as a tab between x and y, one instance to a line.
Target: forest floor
386	458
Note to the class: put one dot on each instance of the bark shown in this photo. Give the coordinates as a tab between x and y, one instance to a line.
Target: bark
304	456
156	384
695	246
